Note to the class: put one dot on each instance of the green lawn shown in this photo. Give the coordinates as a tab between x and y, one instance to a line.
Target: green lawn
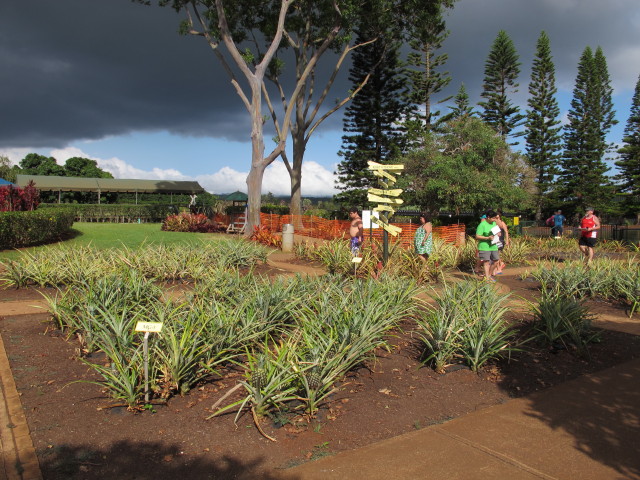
116	235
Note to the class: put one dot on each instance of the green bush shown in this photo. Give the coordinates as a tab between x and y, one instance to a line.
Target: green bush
116	212
275	209
21	229
231	209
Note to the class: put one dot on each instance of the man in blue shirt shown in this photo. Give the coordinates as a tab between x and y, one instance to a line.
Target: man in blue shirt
558	223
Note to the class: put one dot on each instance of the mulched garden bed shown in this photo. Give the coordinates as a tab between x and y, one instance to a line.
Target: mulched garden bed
78	434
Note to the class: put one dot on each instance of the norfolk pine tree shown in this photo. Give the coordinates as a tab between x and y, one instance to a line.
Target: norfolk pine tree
543	140
372	119
426	32
461	108
629	160
583	181
501	71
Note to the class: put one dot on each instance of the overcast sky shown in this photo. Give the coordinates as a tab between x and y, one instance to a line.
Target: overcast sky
113	81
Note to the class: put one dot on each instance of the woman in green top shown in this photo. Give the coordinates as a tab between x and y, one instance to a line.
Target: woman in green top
423	239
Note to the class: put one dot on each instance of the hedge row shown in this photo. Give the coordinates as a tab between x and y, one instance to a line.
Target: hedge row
22	229
264	208
116	212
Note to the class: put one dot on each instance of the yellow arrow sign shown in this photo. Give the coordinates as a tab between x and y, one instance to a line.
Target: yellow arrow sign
379	166
392	193
377	199
383	174
384	208
392	229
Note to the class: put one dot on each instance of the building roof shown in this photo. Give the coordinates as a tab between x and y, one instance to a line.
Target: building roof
237	197
82	184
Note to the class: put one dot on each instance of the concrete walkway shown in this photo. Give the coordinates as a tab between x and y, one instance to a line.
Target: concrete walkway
19	460
588	428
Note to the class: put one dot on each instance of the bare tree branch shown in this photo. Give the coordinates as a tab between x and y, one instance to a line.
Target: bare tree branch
214	46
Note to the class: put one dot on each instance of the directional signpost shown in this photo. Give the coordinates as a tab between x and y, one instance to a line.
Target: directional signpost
386	198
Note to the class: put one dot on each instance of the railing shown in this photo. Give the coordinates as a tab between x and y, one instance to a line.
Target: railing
624	233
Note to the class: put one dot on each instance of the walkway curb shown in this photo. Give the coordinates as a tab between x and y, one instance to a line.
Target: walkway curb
19	459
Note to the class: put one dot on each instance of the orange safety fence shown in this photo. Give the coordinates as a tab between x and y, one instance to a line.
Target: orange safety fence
317	227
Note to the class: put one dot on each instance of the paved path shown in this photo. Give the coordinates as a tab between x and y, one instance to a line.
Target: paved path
588	428
19	460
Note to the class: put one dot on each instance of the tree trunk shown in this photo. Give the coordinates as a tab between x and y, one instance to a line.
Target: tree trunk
296	192
258	162
299	147
254	189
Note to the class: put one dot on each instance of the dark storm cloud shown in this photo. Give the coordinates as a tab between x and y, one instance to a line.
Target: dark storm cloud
89	68
85	69
570	24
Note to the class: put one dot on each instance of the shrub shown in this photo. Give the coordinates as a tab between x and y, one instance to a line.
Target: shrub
275	209
469	323
116	212
189	222
22	229
263	234
560	319
16	199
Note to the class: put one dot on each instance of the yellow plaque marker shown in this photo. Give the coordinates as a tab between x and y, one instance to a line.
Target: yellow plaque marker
154	327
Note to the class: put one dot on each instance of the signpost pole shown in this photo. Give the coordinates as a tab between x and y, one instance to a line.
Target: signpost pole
145	349
385	247
147	327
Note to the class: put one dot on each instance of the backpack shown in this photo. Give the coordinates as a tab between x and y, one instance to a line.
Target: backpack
550	221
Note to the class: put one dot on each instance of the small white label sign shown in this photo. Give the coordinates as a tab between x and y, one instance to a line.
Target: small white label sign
148	327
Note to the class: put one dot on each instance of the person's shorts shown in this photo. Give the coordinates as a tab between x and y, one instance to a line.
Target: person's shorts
587	242
355	246
559	230
489	255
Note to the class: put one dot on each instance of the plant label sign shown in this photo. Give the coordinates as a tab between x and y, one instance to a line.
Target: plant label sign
154	327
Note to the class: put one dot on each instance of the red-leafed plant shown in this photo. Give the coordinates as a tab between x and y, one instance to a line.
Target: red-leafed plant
16	199
189	222
262	234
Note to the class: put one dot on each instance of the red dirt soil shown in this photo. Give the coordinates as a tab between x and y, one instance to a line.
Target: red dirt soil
77	435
